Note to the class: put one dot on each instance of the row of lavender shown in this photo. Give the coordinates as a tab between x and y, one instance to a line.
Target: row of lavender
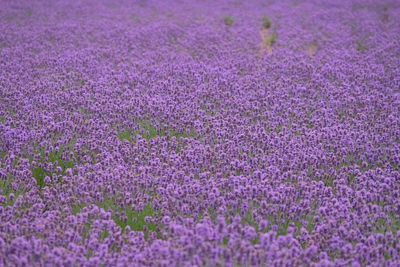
183	133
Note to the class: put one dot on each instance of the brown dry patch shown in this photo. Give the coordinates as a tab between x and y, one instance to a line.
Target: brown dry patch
267	40
312	49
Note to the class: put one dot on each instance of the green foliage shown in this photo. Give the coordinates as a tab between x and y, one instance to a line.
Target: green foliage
255	241
248	219
380	225
148	130
212	213
328	181
309	125
86	230
266	23
283	228
124	217
76	208
89	253
178	135
278	129
298	226
136	219
389	224
360	46
39	174
85	113
283	223
395	224
386	256
228	21
6	189
104	235
125	135
270	40
3	155
15	162
310	223
351	178
54	157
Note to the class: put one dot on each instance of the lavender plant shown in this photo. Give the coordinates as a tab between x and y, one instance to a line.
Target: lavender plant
147	134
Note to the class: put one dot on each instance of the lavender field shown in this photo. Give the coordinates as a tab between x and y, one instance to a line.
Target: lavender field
200	133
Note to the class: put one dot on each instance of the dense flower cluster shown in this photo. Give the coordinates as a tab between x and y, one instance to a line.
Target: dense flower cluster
195	133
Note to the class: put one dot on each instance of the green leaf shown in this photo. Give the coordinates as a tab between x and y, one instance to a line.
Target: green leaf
39	174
